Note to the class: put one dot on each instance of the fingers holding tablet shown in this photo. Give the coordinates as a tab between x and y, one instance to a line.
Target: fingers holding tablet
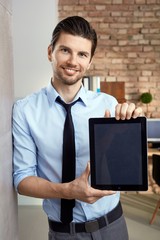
127	110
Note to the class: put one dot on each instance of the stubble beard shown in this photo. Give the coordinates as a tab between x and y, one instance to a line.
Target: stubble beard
67	80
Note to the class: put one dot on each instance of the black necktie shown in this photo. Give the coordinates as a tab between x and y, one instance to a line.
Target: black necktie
68	167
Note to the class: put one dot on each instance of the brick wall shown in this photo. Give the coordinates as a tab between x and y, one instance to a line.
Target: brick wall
128	43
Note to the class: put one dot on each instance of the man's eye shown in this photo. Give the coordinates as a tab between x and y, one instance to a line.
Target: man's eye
64	50
84	55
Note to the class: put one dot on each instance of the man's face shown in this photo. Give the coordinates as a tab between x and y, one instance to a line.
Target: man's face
70	58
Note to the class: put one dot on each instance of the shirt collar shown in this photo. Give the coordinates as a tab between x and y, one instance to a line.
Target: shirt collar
52	94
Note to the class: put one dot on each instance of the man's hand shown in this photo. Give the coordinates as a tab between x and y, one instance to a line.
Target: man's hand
126	111
81	190
77	189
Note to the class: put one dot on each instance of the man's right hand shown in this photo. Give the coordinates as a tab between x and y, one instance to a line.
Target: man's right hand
81	190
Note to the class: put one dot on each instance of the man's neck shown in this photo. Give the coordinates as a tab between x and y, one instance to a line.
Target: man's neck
67	92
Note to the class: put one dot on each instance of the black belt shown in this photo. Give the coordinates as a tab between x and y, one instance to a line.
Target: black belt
89	226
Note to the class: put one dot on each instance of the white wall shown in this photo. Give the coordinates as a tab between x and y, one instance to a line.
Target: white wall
8	197
33	23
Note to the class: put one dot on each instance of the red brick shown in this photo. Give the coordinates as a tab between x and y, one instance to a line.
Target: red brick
111	79
116	14
140	1
89	8
82	2
143	79
151	1
117	1
128	1
154	79
96	2
79	8
68	8
127	79
156	73
70	2
147	48
146	73
157	48
117	60
147	67
119	25
144	42
128	42
155	42
100	7
131	49
132	55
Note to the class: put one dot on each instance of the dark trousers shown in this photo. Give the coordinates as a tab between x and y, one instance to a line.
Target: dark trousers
112	230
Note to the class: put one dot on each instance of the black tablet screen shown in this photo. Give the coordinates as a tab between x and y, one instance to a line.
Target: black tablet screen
118	154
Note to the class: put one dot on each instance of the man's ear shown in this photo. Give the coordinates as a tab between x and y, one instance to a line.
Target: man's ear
50	53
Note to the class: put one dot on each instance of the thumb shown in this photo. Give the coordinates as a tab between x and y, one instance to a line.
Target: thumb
107	114
87	171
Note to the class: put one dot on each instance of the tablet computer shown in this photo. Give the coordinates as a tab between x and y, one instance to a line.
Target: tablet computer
118	154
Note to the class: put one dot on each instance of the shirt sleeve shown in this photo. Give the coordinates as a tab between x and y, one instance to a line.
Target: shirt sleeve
24	148
111	103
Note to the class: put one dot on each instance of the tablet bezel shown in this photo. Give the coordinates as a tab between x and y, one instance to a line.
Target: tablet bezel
144	157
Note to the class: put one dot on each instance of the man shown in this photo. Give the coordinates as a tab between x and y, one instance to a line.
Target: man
38	125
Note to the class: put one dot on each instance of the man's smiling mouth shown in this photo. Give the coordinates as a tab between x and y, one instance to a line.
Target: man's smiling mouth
70	70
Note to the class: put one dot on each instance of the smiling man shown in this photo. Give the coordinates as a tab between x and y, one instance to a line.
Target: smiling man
70	63
38	131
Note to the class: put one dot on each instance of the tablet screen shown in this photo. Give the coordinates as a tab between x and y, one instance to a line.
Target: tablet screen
118	153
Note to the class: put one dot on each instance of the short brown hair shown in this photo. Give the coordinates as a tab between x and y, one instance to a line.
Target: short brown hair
76	26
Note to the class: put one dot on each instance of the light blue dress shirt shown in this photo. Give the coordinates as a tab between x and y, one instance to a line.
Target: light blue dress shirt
38	123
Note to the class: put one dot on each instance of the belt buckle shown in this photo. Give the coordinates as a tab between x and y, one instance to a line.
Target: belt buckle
91	226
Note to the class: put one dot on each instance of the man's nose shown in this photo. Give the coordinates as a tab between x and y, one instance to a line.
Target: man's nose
72	59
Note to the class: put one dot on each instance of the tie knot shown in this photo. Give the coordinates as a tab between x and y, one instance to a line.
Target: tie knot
67	106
